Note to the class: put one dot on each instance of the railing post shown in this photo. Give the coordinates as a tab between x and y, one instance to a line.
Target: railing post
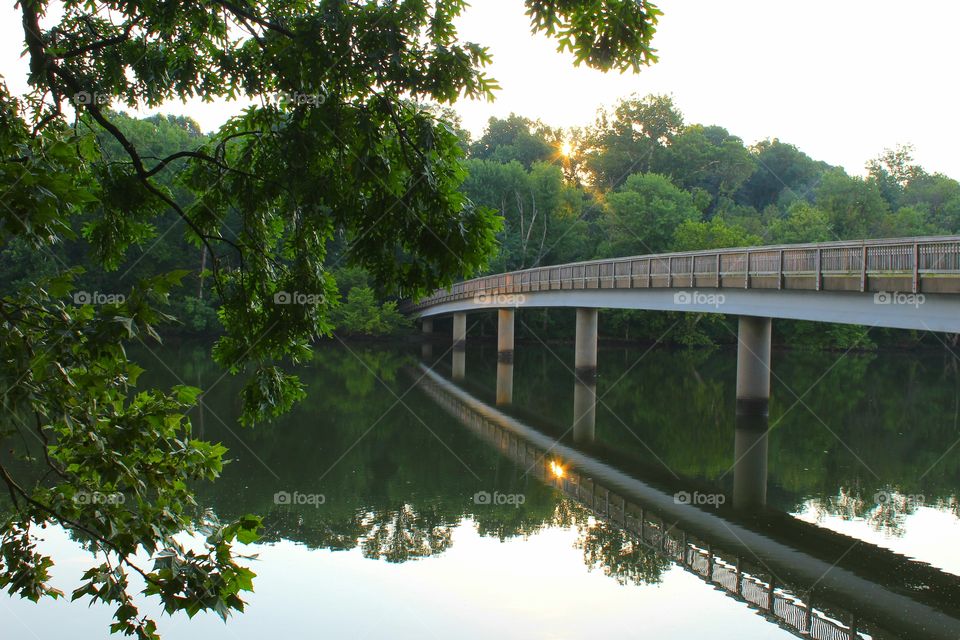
916	267
746	273
670	272
719	277
780	271
863	269
819	269
649	272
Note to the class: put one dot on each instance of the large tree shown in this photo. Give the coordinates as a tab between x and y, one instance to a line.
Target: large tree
340	143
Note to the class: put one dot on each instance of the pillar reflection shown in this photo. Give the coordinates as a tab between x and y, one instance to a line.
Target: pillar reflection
750	461
584	411
504	382
459	345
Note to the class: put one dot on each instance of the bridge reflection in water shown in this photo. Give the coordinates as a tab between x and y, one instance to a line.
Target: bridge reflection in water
831	594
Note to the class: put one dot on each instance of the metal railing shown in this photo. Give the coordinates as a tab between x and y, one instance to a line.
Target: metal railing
914	265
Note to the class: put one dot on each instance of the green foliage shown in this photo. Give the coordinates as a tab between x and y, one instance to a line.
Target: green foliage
516	138
630	139
345	150
803	223
540	213
711	234
362	315
854	206
642	215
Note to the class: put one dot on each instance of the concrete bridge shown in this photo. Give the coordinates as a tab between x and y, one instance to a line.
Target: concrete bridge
911	283
811	582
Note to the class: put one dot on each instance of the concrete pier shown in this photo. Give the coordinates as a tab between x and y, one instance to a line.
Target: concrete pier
585	359
753	366
426	326
505	318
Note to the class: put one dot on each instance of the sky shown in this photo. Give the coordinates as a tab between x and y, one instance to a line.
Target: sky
841	79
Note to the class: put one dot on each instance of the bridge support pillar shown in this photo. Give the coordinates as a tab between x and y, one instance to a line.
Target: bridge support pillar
426	326
505	319
584	411
753	366
585	359
505	327
459	345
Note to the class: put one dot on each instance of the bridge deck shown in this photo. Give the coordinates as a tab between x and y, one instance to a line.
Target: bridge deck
912	283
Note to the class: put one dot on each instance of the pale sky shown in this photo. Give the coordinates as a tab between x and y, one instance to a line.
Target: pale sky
841	79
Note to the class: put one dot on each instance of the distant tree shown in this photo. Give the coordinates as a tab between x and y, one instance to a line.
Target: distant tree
803	223
707	158
643	215
537	207
711	234
893	170
516	138
854	205
780	168
939	197
630	139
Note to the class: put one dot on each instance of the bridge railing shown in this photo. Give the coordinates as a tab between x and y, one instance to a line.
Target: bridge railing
913	265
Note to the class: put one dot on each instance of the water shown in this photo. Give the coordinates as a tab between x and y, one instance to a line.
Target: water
393	534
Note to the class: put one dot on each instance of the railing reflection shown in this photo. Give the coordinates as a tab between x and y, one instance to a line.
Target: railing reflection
804	608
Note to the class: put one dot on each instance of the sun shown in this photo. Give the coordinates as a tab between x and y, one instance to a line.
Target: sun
566	149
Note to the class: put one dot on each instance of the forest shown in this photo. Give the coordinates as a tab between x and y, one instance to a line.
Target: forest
638	180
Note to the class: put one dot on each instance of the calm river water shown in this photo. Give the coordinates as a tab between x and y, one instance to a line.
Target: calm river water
397	507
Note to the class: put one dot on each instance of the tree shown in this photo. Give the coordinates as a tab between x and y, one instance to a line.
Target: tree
893	170
340	145
516	138
715	233
780	168
630	139
643	215
707	158
803	223
939	197
854	205
538	210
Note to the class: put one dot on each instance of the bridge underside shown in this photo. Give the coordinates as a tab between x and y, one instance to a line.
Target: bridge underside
924	312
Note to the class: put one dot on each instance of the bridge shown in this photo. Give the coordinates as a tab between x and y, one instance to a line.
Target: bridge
911	283
811	582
